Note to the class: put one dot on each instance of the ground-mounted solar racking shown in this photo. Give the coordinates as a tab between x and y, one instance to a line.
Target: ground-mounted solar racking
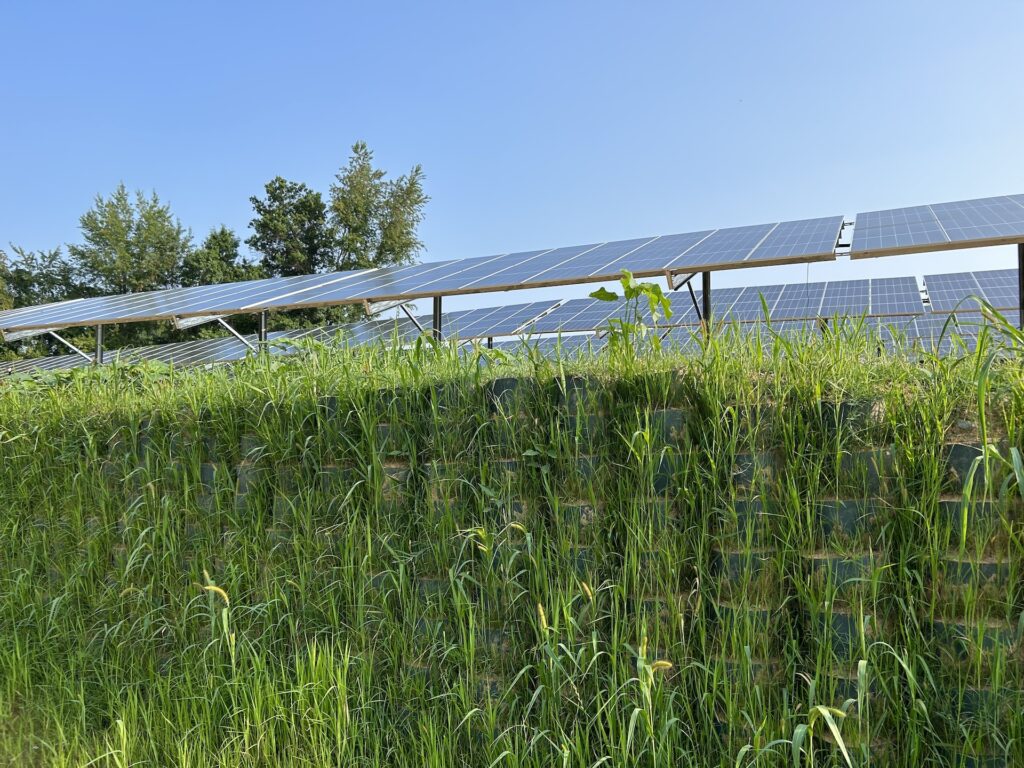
678	258
893	307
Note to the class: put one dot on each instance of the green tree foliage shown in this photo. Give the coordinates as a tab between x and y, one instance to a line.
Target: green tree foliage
217	260
291	231
375	219
6	300
369	221
38	277
130	244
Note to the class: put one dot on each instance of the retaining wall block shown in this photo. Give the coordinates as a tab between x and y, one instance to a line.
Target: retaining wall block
751	468
868	470
960	458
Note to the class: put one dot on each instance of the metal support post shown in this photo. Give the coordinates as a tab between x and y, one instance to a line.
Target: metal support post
1020	284
261	330
437	319
490	342
98	358
705	287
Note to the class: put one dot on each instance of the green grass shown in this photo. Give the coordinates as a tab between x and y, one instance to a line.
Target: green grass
760	553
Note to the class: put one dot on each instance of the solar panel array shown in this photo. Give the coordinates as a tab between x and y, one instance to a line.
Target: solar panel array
887	303
962	224
968	223
760	245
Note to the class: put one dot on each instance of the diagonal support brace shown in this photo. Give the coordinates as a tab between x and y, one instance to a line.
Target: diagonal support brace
237	335
71	346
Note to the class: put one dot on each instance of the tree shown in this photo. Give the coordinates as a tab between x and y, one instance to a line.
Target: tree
217	260
38	277
6	302
375	219
370	221
130	245
291	231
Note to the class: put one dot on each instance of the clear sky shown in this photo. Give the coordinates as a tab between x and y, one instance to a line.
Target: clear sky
538	124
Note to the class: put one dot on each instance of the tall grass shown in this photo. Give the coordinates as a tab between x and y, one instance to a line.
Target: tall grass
768	551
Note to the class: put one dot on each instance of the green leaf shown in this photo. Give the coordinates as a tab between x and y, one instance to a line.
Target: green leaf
603	294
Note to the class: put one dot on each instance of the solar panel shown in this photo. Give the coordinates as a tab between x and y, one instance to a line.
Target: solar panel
748	306
961	224
798	239
895	296
968	223
493	321
161	305
1000	287
960	291
575	315
988	219
682	338
846	297
951	292
553	346
799	300
901	230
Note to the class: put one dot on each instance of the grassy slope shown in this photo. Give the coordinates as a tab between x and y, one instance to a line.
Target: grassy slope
369	558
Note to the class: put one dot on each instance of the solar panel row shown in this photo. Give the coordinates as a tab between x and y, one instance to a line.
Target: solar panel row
939	333
766	244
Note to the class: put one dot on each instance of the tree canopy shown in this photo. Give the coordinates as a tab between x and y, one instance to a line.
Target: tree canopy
368	221
375	219
130	244
290	229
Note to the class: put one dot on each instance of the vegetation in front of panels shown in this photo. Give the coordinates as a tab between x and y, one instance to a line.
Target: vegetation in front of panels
769	551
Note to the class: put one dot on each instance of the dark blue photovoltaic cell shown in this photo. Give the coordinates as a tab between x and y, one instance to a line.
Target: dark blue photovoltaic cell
506	268
657	255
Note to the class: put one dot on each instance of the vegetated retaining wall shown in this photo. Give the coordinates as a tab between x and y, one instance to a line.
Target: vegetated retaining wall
623	565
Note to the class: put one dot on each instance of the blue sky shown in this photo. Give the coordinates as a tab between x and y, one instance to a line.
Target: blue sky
538	124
